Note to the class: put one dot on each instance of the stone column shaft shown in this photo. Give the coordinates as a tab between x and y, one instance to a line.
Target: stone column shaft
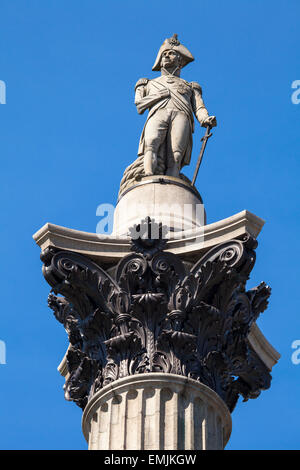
156	412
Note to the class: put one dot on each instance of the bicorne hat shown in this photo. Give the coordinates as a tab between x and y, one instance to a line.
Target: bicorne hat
173	43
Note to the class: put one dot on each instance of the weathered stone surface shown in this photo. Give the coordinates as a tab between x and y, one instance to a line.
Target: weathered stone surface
166	142
109	249
175	203
156	412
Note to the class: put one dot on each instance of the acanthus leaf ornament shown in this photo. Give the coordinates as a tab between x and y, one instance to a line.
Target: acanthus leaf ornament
159	316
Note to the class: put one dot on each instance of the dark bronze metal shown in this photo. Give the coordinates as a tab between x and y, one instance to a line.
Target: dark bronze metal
157	316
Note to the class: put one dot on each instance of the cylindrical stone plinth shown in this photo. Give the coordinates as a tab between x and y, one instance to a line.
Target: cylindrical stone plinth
169	200
156	411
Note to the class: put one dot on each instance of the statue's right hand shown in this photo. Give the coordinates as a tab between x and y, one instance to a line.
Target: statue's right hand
165	93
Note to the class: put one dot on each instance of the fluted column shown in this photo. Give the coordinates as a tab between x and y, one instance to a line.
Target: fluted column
156	411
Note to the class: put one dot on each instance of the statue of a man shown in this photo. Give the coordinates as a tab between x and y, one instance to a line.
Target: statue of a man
172	102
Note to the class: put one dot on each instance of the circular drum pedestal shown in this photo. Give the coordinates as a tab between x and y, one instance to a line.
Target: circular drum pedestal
172	201
156	411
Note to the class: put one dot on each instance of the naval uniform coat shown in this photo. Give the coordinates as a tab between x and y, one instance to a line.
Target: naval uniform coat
185	96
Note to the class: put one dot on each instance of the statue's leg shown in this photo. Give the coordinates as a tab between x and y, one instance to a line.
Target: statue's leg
150	162
155	133
174	168
178	134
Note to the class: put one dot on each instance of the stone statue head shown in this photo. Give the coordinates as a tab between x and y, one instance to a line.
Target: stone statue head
172	50
170	59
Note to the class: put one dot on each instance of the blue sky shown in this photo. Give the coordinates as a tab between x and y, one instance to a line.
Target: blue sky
68	130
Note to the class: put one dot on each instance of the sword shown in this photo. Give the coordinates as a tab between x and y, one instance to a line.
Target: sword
204	140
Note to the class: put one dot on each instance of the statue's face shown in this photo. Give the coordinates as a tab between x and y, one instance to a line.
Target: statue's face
170	59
